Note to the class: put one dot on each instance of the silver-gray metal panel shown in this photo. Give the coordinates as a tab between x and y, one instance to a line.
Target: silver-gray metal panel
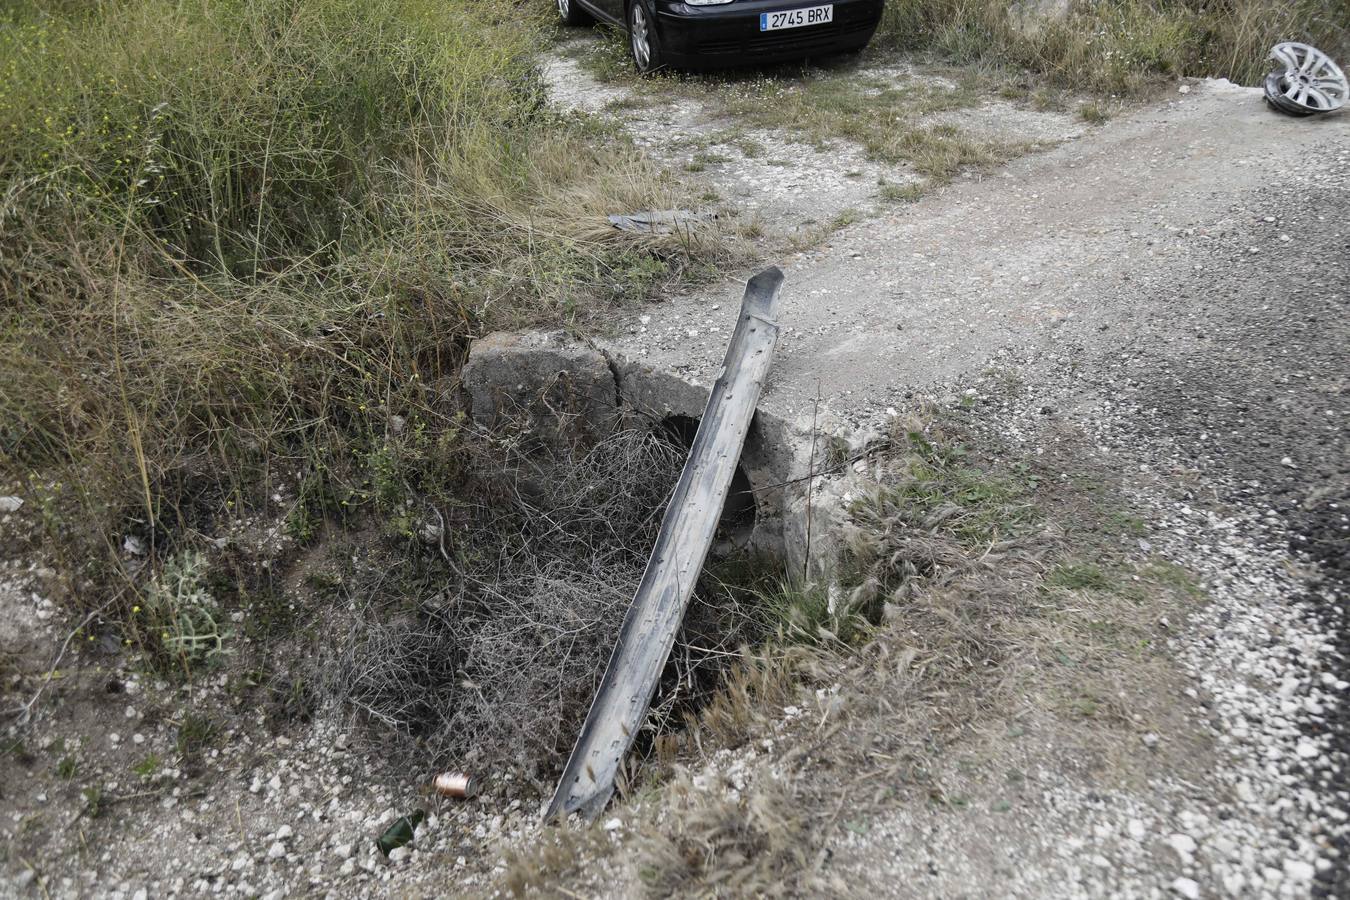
687	531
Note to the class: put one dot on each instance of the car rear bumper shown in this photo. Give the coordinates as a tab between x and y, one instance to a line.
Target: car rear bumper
708	37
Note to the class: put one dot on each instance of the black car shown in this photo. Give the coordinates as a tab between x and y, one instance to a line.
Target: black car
710	34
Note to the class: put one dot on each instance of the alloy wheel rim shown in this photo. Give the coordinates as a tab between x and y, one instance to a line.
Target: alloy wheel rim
642	48
1310	83
562	8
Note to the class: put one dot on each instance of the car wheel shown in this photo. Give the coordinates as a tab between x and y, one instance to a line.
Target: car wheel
571	14
642	39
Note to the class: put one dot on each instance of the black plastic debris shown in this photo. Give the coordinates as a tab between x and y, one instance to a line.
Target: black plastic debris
1306	81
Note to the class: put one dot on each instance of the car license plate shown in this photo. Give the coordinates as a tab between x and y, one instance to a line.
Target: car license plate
796	18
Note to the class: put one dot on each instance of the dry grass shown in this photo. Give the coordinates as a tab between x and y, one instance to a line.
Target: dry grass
243	249
753	845
968	616
1115	46
541	555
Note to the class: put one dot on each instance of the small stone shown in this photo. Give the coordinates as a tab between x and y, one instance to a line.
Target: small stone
1186	888
1184	89
10	504
348	867
613	824
399	854
1136	829
344	851
285	832
1183	844
276	851
1299	870
1307	750
1287	462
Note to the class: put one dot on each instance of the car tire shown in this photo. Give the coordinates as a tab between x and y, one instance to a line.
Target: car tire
643	43
569	13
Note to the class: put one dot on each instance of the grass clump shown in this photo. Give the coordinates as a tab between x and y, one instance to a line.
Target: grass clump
743	847
1117	45
244	244
1079	576
1094	113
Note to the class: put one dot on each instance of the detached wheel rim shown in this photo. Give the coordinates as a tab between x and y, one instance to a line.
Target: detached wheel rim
640	35
1310	81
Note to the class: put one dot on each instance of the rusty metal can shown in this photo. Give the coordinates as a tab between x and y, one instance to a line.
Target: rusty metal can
455	784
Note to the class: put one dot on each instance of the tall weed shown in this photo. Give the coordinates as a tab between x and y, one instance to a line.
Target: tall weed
243	244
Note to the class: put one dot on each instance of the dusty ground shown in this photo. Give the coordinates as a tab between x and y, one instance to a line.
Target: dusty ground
1122	310
773	168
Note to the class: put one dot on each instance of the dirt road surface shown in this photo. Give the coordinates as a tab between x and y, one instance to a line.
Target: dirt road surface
1172	290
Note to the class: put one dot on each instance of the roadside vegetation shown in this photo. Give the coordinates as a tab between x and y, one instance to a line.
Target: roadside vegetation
243	246
981	609
1117	46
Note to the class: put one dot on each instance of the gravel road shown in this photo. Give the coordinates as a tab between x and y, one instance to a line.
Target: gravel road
1173	290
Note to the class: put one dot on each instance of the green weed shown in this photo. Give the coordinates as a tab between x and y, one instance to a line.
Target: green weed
147	767
67	767
195	733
